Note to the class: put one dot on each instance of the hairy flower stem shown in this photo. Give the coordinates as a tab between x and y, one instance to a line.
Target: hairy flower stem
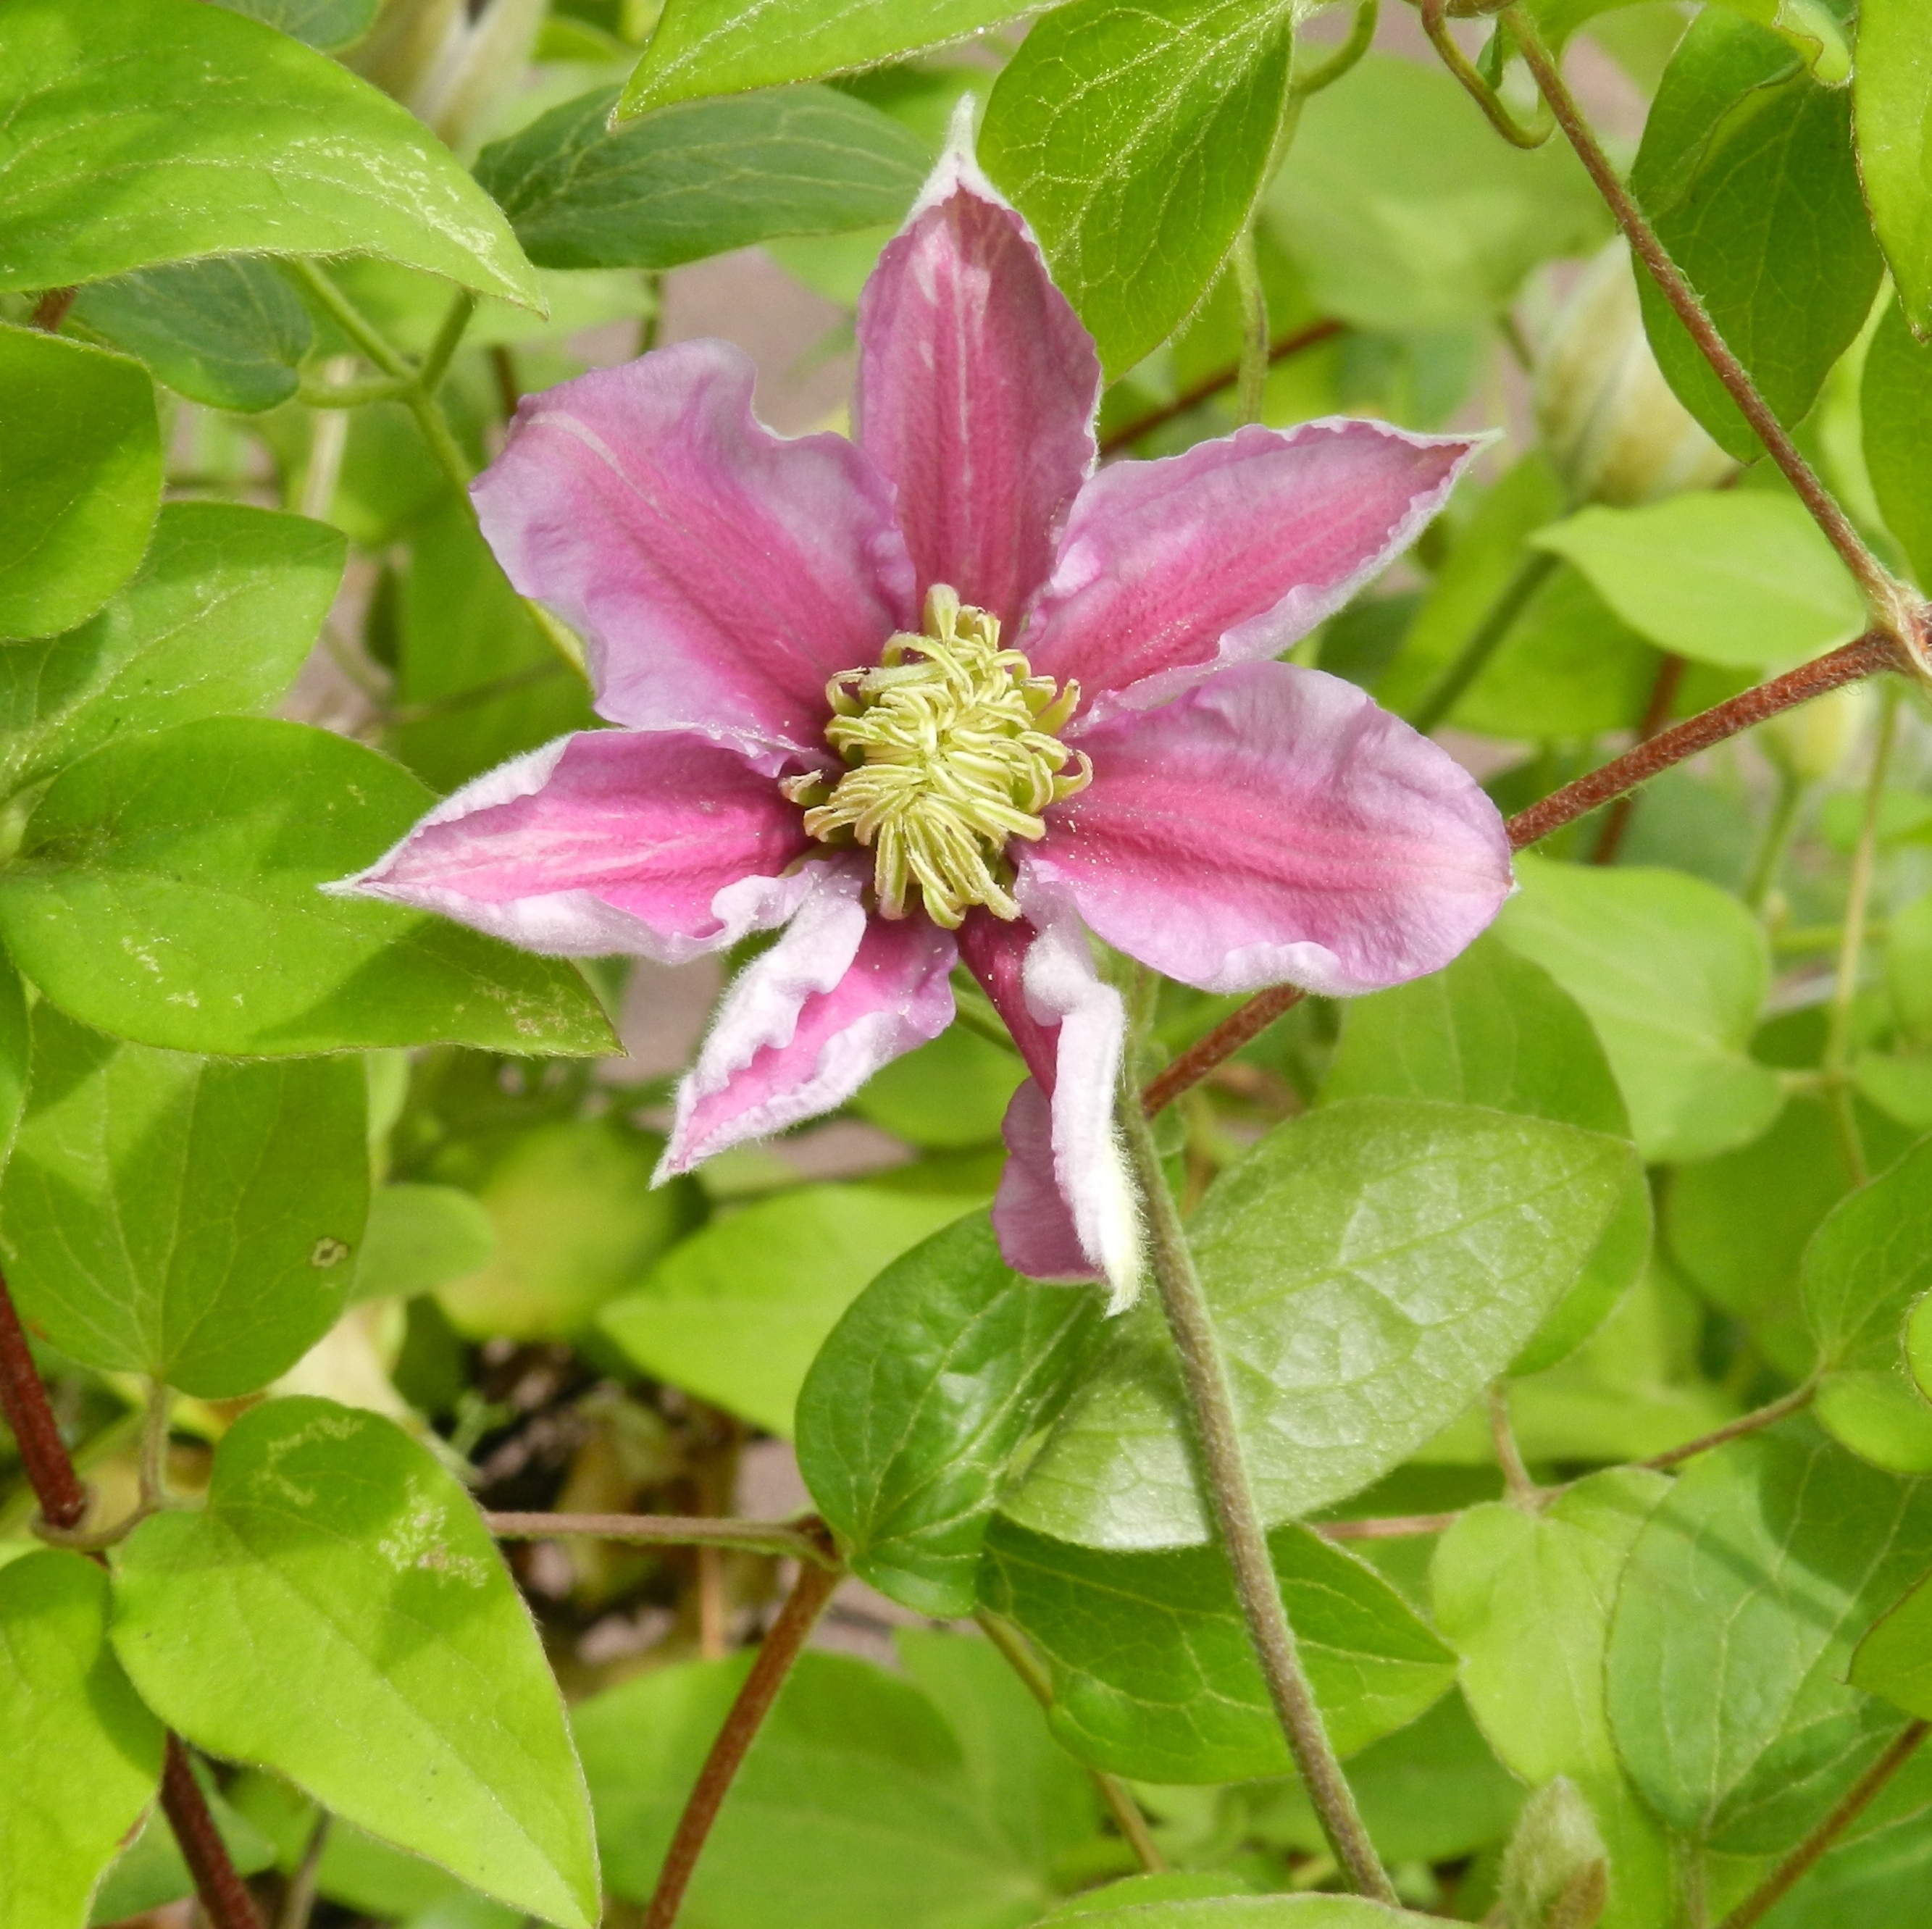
1251	385
1871	653
1361	37
1786	1876
1114	1793
789	1539
783	1644
1836	1066
1446	692
1888	600
1224	1474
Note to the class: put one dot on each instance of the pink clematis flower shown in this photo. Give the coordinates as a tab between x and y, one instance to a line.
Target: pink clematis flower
943	693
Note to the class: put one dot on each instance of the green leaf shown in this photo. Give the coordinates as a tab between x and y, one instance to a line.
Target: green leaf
168	889
461	630
1134	135
1566	665
228	332
1869	1262
1895	402
80	476
1153	1674
724	47
1671	971
1404	212
191	1218
574	1221
858	1807
1525	1599
700	178
327	24
1422	1244
15	1050
950	1094
205	133
84	1756
784	1269
151	1872
1741	578
1891	96
1739	1608
338	1612
1737	1224
1494	1030
1879	1414
219	617
419	1237
1747	172
1894	1660
919	1399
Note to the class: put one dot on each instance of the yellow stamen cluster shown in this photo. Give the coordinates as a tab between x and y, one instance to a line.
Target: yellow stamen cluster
952	749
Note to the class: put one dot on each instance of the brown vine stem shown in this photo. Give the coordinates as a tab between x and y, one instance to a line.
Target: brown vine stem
1889	602
1209	386
50	1472
1224	1475
790	1539
782	1647
1753	1422
1873	652
1114	1793
1656	714
1386	1527
50	311
1786	1876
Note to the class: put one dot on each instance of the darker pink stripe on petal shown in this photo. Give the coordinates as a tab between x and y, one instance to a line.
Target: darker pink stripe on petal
1230	553
719	574
657	845
1030	1216
976	390
1275	826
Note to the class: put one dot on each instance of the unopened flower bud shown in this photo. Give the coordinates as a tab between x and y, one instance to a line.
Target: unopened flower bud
1809	743
1556	1873
451	65
1609	422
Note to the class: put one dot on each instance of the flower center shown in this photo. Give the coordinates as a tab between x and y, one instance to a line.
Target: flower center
952	749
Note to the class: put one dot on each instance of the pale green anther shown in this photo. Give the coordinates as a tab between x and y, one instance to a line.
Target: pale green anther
952	746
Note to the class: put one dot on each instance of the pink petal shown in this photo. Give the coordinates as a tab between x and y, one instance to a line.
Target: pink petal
1030	1215
1275	826
653	844
976	390
805	1026
1230	553
719	574
1063	1009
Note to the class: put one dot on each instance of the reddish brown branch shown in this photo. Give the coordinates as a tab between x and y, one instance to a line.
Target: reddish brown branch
50	1472
36	1433
1872	652
1226	1039
223	1895
793	1540
1209	386
780	1648
1785	1877
1656	714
